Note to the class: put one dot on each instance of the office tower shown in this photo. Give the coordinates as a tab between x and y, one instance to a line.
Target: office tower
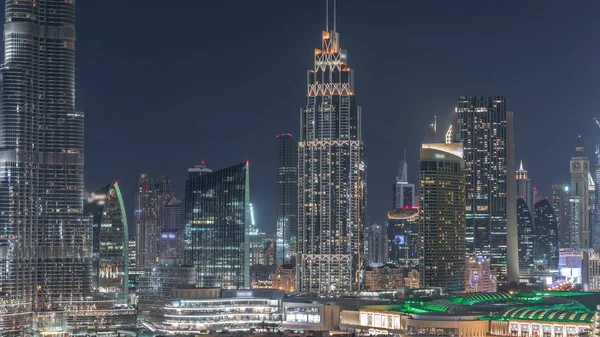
172	234
331	176
562	211
524	189
217	212
404	242
546	236
110	242
403	192
147	222
486	131
287	198
442	218
526	237
45	260
579	199
480	278
375	244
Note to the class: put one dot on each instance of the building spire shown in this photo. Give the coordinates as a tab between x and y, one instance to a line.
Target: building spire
335	15
521	166
326	15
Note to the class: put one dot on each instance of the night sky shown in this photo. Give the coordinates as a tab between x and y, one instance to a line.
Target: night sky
165	84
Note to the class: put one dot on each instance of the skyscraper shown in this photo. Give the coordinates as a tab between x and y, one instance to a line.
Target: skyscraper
217	206
110	242
45	258
404	241
486	131
171	243
596	224
524	189
376	251
546	236
147	222
403	192
442	219
579	199
562	211
287	198
331	175
526	236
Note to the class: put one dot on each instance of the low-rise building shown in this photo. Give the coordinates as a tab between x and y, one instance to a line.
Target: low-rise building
284	278
387	276
479	275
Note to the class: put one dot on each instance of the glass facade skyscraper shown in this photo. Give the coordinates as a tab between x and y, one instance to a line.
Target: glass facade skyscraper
546	236
45	252
526	236
110	241
331	176
486	131
442	218
217	208
147	222
287	198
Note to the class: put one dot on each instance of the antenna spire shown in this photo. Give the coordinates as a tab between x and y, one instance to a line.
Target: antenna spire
327	15
335	15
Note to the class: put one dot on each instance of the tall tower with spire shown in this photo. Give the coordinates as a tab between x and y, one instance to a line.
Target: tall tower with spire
524	187
579	199
331	174
404	193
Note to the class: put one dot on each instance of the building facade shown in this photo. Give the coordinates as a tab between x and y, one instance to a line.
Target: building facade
172	234
284	278
217	207
562	211
526	236
376	250
331	176
44	255
146	222
579	200
479	276
404	241
442	217
387	276
486	131
546	249
110	242
403	192
287	198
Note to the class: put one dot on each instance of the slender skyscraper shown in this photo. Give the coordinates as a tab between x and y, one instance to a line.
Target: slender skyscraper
217	206
486	131
442	219
45	255
287	198
331	175
562	211
526	236
580	199
596	224
546	236
147	222
524	187
404	193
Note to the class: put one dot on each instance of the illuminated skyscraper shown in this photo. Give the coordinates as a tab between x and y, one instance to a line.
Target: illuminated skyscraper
562	210
442	218
524	190
404	193
217	206
486	131
45	255
526	236
546	236
171	243
110	242
147	223
331	175
376	251
287	198
579	200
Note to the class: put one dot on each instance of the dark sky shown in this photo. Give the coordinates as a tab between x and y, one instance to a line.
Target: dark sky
165	84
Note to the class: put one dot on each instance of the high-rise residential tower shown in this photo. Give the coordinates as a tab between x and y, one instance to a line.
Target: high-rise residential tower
579	199
486	131
442	218
110	241
526	236
45	257
287	198
147	222
376	251
562	211
546	236
217	206
331	175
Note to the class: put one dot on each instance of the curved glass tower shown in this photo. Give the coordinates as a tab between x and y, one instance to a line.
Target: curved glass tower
45	255
110	242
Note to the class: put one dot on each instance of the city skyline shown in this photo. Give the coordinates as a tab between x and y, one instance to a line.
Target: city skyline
114	101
